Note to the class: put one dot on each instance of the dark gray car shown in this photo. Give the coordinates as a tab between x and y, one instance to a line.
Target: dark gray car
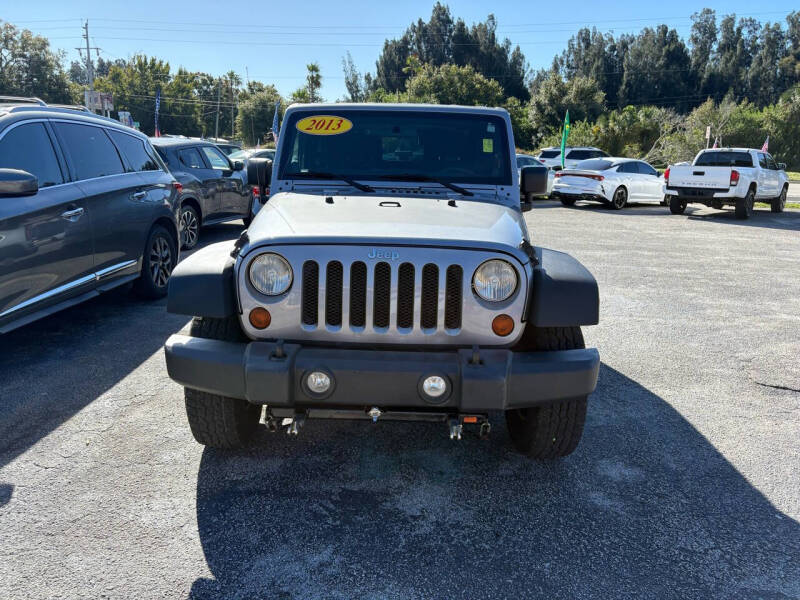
85	205
214	188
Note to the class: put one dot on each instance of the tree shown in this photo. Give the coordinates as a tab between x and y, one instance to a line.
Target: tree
657	66
581	95
257	107
29	68
442	40
357	88
702	40
450	84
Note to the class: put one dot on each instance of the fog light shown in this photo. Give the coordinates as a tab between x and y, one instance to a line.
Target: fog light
434	386
318	382
260	318
502	325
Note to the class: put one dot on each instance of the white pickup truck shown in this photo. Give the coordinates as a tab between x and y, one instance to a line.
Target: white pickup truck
732	176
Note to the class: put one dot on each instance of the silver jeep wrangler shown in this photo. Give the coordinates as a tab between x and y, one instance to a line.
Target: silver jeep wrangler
389	276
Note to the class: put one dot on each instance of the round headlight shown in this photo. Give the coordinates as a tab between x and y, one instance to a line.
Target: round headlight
494	280
270	274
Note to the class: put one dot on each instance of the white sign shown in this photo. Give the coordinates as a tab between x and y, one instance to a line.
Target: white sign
98	100
708	132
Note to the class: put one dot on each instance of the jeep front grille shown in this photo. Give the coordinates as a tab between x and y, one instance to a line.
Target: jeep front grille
391	288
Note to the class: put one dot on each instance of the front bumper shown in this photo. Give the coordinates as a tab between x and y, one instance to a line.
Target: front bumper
273	374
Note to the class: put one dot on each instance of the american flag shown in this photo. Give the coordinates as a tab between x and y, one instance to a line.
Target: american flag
715	144
765	147
275	125
158	105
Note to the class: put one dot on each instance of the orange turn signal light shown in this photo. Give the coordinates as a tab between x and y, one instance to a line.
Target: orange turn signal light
260	318
502	325
470	419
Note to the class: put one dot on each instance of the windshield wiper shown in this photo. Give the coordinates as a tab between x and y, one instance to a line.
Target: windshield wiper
321	175
416	177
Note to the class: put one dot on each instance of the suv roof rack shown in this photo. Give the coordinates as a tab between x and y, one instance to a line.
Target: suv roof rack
30	99
78	107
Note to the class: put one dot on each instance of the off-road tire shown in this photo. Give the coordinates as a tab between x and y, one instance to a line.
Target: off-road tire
778	204
552	430
676	205
744	206
620	198
219	421
567	201
159	241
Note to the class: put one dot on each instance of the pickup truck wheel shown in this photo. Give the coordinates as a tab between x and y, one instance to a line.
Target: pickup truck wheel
567	201
159	258
676	205
552	430
219	421
744	206
620	198
779	203
717	204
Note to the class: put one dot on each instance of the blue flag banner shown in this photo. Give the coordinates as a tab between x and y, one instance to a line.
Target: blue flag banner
158	106
275	123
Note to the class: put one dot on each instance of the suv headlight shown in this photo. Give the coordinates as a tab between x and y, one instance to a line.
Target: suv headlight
270	274
495	280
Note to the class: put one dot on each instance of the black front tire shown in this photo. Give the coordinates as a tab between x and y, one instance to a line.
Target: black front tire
744	206
567	201
620	198
552	430
160	257
676	205
189	227
717	204
778	204
219	421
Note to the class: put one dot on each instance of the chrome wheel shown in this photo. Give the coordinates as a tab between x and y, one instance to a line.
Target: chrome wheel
189	228
161	261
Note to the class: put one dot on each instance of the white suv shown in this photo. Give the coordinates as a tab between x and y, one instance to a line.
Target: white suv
551	157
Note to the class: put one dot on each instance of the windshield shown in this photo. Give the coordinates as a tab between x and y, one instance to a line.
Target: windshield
549	153
240	154
724	159
594	164
406	145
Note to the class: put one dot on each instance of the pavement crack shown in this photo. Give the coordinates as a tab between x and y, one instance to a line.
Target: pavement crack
777	387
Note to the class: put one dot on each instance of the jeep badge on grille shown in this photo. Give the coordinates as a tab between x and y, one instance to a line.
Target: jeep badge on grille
385	254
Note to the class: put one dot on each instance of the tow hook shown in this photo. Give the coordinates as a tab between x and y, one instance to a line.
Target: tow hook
293	424
455	429
486	428
374	412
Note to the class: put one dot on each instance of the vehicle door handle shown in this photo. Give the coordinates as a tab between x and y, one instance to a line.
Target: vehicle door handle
72	215
138	195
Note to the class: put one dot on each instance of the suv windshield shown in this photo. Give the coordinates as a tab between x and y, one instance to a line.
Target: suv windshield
724	159
549	153
405	145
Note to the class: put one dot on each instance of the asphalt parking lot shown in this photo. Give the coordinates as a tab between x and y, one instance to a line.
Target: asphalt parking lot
686	483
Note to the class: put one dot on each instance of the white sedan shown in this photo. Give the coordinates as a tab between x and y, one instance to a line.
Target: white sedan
525	160
612	181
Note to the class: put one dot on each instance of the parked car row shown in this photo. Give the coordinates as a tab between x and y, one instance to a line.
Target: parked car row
88	204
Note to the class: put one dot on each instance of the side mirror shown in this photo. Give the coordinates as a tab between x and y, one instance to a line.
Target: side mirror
533	181
238	165
259	172
14	182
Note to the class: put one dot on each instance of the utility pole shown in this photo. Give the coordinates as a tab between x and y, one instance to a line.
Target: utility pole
232	131
216	125
89	68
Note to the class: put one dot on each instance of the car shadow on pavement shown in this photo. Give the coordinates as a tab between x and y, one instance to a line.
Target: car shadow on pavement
54	367
763	217
646	507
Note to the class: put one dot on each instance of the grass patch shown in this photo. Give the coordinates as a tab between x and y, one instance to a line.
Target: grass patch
793	175
788	205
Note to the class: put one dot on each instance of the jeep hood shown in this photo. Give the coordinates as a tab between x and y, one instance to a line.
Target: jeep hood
308	218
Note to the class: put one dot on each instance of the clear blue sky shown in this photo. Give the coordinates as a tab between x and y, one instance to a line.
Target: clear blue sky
272	42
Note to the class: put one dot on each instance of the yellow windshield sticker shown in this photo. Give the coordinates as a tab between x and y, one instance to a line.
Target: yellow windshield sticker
488	145
324	125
